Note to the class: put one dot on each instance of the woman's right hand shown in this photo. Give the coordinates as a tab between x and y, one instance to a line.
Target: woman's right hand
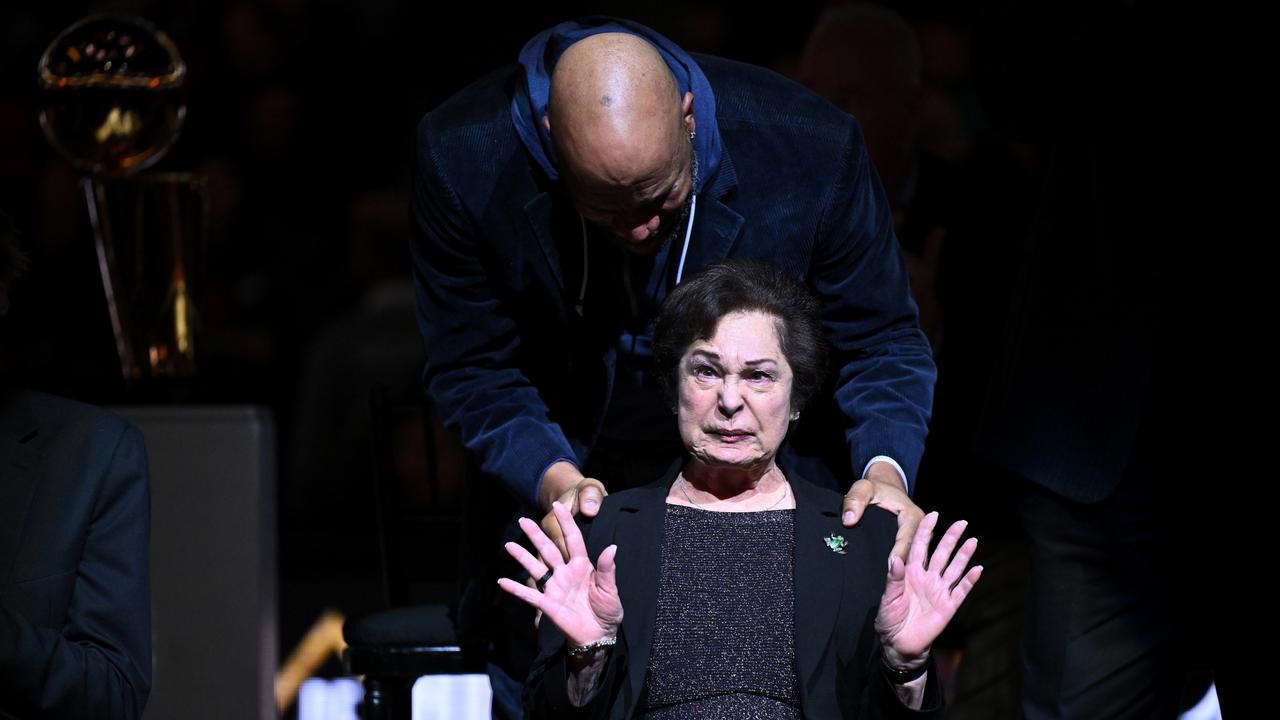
581	599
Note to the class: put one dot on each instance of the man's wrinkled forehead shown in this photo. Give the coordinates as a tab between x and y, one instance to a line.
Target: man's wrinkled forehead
643	190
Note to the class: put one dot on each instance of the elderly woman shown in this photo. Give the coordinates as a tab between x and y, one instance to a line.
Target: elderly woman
729	588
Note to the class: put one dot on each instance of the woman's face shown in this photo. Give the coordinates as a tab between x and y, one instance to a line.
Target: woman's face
735	393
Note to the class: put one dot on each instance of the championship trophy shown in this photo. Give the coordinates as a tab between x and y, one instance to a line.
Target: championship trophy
112	104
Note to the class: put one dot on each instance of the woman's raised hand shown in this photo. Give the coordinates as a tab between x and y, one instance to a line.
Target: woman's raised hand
920	599
581	599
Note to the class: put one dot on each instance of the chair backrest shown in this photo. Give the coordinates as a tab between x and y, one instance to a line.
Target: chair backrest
420	470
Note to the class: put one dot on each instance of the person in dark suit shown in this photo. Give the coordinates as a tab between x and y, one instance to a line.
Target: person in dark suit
730	588
1124	390
75	605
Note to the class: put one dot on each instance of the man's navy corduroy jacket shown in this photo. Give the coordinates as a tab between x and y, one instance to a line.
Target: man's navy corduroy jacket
497	253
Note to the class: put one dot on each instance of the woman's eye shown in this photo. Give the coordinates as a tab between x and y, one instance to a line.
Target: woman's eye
760	376
704	371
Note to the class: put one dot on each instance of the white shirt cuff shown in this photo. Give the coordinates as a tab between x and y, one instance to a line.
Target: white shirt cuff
894	463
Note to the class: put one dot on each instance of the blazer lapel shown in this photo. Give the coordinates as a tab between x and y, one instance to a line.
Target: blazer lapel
716	230
819	578
19	463
538	213
716	225
639	540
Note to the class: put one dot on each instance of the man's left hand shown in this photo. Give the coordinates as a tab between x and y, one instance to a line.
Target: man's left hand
883	486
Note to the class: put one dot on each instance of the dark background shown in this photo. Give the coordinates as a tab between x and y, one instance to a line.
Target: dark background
301	115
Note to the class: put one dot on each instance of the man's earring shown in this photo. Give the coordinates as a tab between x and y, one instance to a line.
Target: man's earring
795	416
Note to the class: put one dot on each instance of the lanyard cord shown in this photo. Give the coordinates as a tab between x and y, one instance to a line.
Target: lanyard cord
684	252
582	292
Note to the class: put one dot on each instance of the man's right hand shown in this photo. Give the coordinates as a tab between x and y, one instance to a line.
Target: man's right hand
582	495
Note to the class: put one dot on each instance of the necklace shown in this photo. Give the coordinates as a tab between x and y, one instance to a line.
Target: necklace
785	488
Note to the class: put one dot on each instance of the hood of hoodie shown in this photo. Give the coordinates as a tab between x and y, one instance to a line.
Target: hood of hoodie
539	56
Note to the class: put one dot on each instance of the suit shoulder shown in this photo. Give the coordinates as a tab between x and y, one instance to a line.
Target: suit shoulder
478	115
879	530
618	506
78	444
469	145
613	506
880	519
60	416
623	498
825	497
759	96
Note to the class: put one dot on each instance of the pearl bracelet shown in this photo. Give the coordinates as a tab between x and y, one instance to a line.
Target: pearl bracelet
580	650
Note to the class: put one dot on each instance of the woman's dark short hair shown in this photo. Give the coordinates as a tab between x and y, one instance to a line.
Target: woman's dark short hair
693	310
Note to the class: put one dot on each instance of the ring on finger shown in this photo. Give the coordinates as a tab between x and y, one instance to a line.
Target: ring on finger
542	581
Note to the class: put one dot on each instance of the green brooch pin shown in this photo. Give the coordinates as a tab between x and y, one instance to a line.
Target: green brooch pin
836	543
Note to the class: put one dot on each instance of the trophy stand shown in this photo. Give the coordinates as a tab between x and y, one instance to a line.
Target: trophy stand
147	234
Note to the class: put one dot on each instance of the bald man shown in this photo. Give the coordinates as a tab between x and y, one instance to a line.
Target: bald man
559	200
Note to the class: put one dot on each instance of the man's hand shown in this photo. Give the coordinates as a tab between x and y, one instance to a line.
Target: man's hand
581	495
883	486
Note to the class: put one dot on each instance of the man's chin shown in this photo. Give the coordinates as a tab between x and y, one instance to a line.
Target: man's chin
648	246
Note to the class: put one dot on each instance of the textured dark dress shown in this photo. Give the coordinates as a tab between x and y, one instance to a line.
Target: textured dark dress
724	630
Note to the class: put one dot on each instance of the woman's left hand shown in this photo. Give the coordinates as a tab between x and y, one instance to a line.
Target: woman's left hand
919	600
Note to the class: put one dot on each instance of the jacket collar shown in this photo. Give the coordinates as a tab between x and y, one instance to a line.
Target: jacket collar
638	572
819	577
